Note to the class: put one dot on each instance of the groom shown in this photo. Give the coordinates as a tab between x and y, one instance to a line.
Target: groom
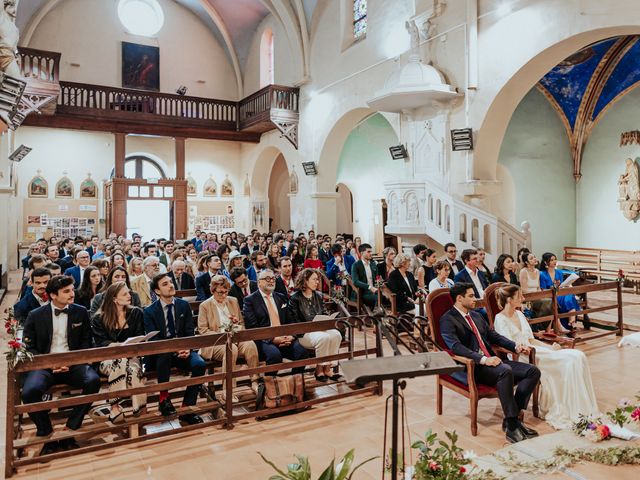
467	334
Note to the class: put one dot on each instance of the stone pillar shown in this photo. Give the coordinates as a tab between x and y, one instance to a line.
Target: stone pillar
325	214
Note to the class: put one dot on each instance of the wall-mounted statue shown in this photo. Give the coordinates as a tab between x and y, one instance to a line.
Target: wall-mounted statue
9	36
413	214
629	191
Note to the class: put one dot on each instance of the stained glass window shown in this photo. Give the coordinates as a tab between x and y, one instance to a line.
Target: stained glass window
359	18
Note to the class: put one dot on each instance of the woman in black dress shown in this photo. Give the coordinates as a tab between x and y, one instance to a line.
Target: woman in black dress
91	284
403	284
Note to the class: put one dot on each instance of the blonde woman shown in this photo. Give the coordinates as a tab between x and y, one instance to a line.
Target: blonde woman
221	313
113	323
567	389
135	267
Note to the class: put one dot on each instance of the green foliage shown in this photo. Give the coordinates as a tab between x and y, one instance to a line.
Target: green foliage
302	469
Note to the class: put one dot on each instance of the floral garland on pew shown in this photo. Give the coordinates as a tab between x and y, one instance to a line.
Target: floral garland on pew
17	352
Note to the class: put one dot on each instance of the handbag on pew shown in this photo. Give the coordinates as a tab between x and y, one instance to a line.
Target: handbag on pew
282	391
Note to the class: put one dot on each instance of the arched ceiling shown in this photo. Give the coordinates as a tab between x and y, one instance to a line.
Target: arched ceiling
232	22
583	86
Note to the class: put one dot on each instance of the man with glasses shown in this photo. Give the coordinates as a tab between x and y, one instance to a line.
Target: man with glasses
242	287
82	259
142	284
456	265
266	308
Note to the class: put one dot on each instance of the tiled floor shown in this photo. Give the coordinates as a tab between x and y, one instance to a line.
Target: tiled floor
332	429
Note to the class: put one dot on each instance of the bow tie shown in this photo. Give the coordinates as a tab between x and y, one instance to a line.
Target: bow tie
57	311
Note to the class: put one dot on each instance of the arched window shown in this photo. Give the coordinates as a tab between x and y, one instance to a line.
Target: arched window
447	219
266	58
487	237
463	228
359	18
141	17
475	232
141	167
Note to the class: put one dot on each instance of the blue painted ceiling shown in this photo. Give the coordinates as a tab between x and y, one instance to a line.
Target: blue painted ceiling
583	85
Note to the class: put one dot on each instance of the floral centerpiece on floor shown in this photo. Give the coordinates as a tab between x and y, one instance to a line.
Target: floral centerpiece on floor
591	428
17	352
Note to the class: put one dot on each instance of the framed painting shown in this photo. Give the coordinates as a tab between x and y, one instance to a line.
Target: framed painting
38	187
140	66
64	188
293	183
88	188
192	186
227	188
210	188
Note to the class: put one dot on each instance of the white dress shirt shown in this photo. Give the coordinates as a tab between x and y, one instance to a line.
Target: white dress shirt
223	314
476	281
82	274
367	271
454	266
59	335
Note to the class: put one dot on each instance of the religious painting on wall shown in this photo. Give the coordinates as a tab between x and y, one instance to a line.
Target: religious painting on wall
247	186
210	188
629	190
64	187
38	187
140	66
88	188
227	188
258	214
192	186
293	183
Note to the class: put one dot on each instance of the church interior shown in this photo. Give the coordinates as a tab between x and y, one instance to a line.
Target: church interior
370	225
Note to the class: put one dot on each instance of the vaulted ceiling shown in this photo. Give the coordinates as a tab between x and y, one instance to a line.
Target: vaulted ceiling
232	22
583	86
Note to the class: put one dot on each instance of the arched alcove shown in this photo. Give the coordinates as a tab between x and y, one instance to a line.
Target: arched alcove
344	209
279	208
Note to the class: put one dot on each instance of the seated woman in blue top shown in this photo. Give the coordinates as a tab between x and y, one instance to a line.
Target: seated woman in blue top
550	276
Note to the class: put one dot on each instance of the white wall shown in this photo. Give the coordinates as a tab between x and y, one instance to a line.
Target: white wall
89	33
599	220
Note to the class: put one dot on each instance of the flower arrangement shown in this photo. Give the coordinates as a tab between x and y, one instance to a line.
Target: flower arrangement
379	282
591	428
337	293
440	460
627	412
302	469
17	352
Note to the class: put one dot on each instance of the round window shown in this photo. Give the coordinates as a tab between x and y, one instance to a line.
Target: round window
141	17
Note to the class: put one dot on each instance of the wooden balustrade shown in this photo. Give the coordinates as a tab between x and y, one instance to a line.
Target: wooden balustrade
257	107
19	430
39	64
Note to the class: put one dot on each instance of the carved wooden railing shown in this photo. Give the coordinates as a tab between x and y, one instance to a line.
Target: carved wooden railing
39	64
257	107
111	102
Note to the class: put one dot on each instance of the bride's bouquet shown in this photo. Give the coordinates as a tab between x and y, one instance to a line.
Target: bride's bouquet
592	428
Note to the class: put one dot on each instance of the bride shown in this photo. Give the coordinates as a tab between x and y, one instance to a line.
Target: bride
566	386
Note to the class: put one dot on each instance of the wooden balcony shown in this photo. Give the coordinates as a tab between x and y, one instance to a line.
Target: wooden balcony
101	108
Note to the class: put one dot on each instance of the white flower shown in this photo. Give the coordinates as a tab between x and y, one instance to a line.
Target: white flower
624	402
469	455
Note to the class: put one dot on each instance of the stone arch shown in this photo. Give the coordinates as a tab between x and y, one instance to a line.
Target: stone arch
262	171
550	44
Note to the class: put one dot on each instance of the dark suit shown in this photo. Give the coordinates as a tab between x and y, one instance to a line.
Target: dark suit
333	269
459	266
24	306
256	315
324	255
464	277
499	277
281	288
460	338
239	295
38	332
203	286
90	250
359	276
75	273
154	319
186	281
65	262
404	292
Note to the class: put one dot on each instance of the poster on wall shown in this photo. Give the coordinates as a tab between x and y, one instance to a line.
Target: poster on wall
258	214
140	66
38	187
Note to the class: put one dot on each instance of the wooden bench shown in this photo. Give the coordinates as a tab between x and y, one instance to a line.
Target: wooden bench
603	264
20	432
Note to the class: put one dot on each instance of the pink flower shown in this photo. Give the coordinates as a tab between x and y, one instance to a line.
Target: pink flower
434	466
603	432
635	415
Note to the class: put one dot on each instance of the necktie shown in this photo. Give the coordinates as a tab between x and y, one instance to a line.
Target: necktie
171	325
152	293
483	347
45	297
273	312
246	291
57	311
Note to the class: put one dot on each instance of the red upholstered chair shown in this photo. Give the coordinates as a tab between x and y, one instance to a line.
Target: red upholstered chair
438	303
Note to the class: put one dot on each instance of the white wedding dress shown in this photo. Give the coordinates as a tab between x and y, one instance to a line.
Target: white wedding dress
566	387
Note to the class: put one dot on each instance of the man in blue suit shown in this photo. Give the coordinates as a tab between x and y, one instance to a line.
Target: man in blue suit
266	308
339	263
471	274
172	318
82	259
258	261
35	298
57	327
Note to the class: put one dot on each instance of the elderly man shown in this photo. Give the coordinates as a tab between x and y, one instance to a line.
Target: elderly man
83	259
267	308
181	279
142	284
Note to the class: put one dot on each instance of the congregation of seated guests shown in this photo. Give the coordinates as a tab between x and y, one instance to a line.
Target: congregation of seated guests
79	293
